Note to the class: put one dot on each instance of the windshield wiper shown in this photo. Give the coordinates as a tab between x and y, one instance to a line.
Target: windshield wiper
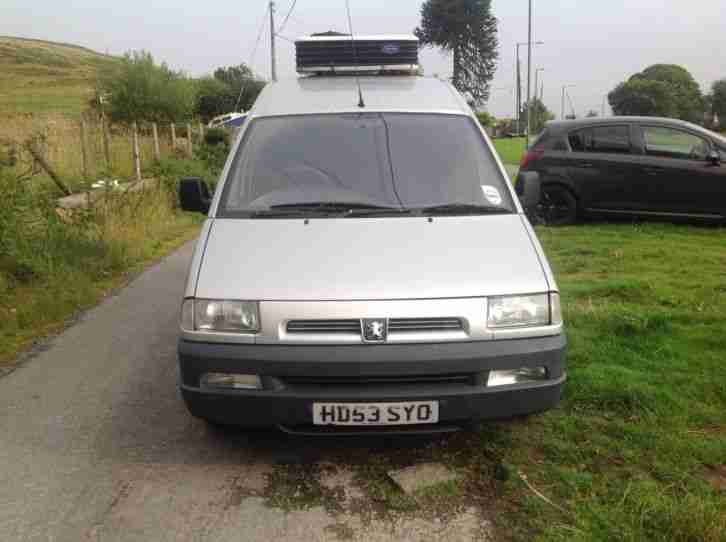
462	208
332	206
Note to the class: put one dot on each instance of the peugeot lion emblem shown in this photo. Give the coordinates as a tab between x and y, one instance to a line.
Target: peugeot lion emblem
375	330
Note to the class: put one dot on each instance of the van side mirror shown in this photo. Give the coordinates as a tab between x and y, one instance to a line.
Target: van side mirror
714	158
194	195
529	190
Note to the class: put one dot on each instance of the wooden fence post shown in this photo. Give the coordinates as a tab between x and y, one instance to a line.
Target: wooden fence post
201	133
173	137
84	149
37	153
189	139
106	142
137	156
157	150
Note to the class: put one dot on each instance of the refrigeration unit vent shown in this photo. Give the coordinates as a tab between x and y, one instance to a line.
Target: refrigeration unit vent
341	54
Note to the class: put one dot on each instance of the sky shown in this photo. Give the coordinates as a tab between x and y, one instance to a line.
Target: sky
589	45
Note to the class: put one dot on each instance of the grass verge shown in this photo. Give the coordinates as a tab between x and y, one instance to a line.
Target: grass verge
510	149
54	265
637	448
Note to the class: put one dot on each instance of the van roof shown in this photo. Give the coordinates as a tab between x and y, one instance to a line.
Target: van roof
334	94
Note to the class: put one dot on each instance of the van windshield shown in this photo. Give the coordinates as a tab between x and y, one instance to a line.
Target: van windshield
369	162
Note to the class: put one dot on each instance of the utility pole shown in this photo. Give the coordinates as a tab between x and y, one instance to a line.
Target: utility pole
519	82
519	93
273	58
533	104
564	93
529	76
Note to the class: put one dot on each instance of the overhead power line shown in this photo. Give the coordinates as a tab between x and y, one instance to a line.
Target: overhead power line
287	17
285	38
260	32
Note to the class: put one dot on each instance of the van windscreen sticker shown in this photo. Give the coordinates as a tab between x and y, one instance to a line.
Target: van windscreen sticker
491	194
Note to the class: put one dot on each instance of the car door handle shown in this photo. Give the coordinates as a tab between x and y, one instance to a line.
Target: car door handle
587	165
653	170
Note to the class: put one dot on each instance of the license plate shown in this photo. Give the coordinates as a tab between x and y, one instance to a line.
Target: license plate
408	413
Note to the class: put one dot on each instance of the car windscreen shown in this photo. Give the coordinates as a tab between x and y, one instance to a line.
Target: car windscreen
381	160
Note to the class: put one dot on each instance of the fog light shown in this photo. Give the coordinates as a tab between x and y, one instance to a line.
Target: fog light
516	376
231	381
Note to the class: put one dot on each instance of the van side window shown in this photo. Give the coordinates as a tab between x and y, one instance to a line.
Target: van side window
603	139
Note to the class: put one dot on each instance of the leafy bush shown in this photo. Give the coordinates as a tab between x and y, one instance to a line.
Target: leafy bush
485	119
214	136
230	89
142	90
54	262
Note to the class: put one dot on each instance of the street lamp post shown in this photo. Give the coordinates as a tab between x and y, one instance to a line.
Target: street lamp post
536	91
518	82
529	75
564	90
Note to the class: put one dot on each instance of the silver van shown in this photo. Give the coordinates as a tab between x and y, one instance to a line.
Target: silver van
366	268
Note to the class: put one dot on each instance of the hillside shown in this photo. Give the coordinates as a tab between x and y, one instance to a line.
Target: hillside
42	77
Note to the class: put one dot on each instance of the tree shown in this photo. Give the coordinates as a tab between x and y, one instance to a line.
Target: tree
638	97
139	89
663	90
468	30
486	119
540	115
230	89
718	99
213	98
241	80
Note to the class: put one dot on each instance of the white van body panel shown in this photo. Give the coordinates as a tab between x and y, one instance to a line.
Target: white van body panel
369	259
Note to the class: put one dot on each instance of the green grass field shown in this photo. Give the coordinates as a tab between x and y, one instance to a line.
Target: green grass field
510	149
637	450
40	77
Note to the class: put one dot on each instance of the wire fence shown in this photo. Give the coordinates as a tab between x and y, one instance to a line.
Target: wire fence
82	151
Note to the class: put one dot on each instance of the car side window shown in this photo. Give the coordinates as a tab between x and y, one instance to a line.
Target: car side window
603	139
579	140
611	139
671	143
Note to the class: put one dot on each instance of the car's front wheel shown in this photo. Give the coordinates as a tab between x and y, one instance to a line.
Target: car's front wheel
558	206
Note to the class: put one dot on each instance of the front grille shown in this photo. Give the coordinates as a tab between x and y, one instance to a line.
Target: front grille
445	379
323	326
395	325
413	325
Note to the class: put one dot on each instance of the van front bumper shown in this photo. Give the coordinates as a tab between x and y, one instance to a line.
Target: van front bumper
294	377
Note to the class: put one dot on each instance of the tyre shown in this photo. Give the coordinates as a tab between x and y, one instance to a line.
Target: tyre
558	206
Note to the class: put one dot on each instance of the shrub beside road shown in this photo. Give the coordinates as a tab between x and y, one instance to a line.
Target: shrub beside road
55	262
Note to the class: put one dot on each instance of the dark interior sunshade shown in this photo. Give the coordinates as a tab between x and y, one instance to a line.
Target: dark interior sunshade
364	53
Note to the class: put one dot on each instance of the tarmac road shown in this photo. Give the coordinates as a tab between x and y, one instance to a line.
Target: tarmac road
96	444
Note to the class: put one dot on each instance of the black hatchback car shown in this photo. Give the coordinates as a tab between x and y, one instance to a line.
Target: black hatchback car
629	166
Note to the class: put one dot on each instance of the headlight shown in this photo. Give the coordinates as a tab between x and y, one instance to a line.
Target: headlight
212	315
523	311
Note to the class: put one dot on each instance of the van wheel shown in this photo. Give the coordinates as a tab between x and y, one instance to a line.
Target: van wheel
558	206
